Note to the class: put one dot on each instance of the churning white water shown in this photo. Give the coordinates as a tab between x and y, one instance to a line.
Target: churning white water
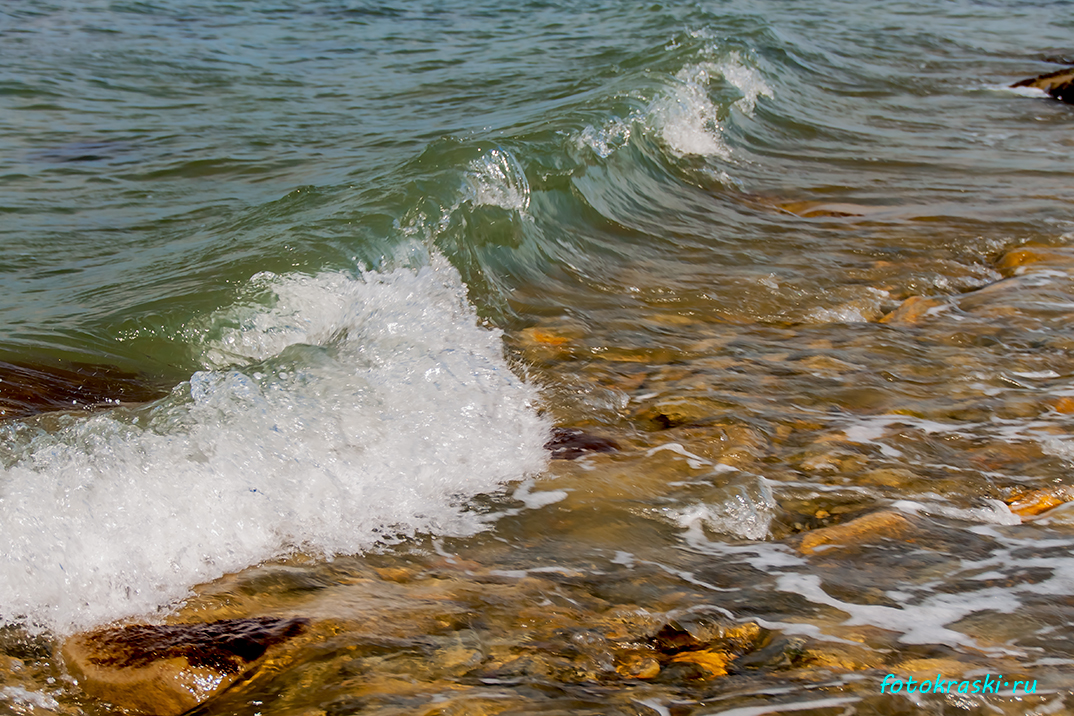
334	411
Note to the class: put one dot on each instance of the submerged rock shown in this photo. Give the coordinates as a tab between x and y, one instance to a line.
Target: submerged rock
913	309
28	388
1014	262
867	528
1038	501
168	669
1059	85
571	443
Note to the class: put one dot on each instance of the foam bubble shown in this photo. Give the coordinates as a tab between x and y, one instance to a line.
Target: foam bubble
744	508
682	115
748	81
686	118
335	412
992	512
605	140
497	179
22	698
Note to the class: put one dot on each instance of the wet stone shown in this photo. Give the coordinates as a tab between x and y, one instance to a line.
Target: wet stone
1059	85
168	669
1015	261
913	310
693	648
1037	501
571	443
31	388
867	528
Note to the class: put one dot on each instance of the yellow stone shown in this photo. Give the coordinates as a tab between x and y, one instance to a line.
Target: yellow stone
713	662
950	668
401	575
639	666
870	527
1038	501
1032	254
912	310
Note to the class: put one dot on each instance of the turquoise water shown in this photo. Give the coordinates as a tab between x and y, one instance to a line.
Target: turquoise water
157	156
375	251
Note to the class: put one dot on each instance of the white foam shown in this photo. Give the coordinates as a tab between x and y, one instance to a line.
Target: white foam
1036	374
497	179
695	461
334	412
24	699
1034	92
993	512
744	508
748	81
614	134
536	500
922	623
689	121
682	115
686	118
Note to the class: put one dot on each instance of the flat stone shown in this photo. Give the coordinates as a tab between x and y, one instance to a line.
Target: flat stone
166	670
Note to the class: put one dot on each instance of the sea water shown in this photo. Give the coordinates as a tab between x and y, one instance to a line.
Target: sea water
376	251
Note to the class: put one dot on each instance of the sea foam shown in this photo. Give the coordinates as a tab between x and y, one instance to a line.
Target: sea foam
682	114
334	411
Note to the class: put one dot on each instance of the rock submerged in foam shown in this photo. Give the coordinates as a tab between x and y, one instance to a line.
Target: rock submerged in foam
166	670
30	388
1059	85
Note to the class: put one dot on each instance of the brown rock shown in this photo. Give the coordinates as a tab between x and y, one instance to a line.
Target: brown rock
571	443
912	310
868	528
712	663
638	666
168	669
741	445
29	388
1030	254
1059	85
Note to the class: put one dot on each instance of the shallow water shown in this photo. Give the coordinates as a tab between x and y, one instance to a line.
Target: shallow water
380	250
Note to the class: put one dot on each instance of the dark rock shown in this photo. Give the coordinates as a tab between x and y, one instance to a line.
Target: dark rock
571	443
781	652
168	669
1059	85
27	389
